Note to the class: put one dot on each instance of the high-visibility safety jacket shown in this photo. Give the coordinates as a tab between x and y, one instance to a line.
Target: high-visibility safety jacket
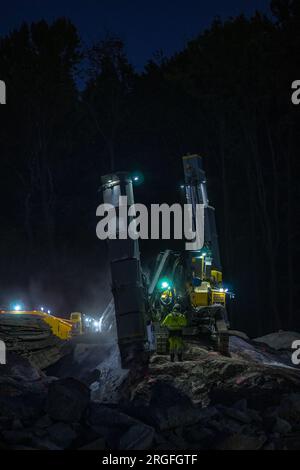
175	321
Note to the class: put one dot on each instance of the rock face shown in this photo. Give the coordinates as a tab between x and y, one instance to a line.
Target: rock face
290	407
61	434
30	337
97	365
67	400
40	412
250	400
119	430
22	390
282	340
214	402
242	442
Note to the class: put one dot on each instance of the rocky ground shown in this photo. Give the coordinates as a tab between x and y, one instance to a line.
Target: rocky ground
250	400
30	336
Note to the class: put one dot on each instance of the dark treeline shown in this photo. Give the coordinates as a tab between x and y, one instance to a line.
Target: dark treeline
226	96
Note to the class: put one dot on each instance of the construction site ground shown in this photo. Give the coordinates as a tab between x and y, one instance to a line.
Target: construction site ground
250	400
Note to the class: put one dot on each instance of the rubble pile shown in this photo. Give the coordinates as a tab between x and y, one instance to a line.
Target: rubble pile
31	337
97	364
281	340
46	413
250	400
214	402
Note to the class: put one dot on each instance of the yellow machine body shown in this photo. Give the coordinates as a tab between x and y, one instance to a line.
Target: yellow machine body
76	319
206	297
200	296
218	297
62	328
210	291
216	276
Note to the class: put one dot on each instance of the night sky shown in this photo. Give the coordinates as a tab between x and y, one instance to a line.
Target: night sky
145	26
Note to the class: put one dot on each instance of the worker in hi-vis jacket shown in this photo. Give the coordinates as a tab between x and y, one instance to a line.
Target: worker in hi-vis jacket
175	321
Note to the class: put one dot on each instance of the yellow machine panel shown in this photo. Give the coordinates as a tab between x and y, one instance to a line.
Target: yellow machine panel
60	328
218	297
76	319
217	276
200	298
205	295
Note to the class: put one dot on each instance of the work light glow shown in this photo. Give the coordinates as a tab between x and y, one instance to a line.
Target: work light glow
17	308
137	178
165	283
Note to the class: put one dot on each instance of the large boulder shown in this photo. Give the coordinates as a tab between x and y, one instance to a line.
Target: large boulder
62	434
280	340
119	430
23	389
20	368
17	437
98	444
290	408
67	400
282	426
242	442
163	406
138	437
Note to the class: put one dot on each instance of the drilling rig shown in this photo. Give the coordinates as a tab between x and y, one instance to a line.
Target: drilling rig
192	278
126	275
